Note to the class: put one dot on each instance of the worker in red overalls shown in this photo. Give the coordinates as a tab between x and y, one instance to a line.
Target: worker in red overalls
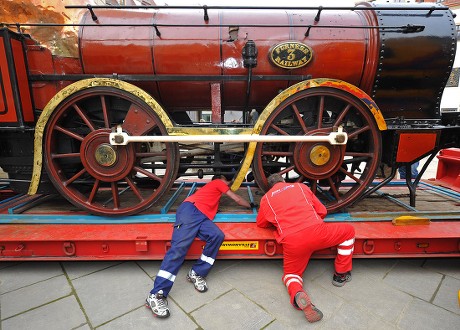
298	217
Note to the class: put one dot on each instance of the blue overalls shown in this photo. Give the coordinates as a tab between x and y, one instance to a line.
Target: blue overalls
190	223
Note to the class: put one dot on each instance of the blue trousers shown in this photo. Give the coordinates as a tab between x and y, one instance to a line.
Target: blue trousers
190	223
414	171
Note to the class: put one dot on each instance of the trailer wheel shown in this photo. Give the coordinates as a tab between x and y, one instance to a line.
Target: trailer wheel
96	176
338	175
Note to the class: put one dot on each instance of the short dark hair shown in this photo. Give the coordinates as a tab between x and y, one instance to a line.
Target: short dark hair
227	177
274	179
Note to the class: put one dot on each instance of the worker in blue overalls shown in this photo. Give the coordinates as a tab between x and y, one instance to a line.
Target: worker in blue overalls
193	219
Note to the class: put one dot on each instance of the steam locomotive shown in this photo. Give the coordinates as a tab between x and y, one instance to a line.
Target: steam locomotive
338	92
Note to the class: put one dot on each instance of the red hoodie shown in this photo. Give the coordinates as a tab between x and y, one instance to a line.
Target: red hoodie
290	207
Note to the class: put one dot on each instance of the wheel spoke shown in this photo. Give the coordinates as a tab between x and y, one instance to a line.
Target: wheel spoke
299	118
115	195
134	188
84	117
69	155
286	170
349	174
105	112
314	186
363	155
321	112
335	192
278	153
279	130
301	178
342	115
147	173
69	133
76	176
93	191
355	133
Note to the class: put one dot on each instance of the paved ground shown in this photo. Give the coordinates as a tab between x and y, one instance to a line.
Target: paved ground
243	294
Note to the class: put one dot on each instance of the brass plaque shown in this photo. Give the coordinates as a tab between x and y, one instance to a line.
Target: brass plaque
290	55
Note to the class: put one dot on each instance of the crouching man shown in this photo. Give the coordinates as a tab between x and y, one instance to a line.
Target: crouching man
298	217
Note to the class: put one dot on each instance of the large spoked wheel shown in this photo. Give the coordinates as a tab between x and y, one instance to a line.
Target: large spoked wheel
96	176
337	175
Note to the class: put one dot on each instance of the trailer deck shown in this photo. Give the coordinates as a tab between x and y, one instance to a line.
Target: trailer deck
49	228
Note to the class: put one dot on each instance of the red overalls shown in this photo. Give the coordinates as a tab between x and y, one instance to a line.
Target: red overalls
298	217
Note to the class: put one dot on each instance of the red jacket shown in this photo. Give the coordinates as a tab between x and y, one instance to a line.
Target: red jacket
290	207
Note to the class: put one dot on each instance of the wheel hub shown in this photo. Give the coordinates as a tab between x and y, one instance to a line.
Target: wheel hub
104	161
320	155
318	160
105	155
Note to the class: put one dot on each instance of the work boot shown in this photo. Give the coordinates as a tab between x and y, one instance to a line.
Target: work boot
339	279
312	313
198	281
158	304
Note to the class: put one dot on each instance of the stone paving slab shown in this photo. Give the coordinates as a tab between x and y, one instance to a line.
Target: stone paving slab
142	318
232	311
377	297
43	292
422	315
185	295
375	268
111	292
447	266
76	269
354	316
61	314
447	296
416	281
24	274
243	294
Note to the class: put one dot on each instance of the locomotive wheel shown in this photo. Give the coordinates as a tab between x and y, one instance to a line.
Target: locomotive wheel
337	175
96	176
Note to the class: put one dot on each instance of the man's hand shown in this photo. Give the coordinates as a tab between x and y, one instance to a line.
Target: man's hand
238	199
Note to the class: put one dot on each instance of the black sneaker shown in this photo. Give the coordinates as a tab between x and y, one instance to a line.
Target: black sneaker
158	304
312	314
339	279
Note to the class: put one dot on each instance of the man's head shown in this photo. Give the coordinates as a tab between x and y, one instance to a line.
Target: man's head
274	179
226	178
